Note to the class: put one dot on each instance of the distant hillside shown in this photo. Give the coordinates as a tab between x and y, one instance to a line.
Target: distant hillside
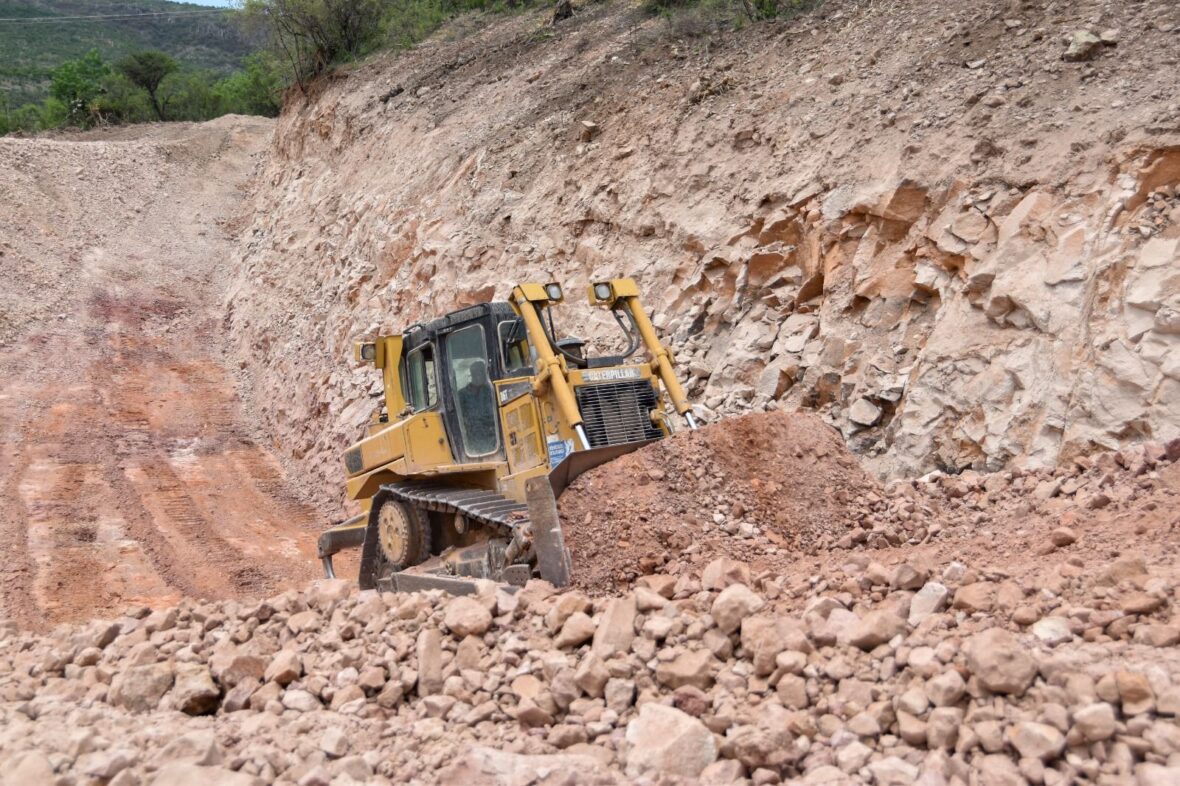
29	51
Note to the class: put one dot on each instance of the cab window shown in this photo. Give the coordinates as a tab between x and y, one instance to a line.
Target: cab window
475	399
514	348
422	388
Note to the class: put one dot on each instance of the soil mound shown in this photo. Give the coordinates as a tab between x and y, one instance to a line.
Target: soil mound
755	488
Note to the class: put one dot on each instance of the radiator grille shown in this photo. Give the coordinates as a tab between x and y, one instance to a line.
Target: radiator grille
614	413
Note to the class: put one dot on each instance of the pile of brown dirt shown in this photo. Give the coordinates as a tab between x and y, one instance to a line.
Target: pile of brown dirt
757	488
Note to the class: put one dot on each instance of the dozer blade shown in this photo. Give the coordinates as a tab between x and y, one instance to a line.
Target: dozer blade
576	463
553	558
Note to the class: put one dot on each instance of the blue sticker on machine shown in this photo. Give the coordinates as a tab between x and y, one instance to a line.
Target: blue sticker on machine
558	449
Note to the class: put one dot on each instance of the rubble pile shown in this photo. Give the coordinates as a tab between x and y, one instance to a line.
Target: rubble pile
942	505
1044	654
680	503
706	493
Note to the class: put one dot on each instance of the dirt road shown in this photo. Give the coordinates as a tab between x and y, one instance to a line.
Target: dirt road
128	472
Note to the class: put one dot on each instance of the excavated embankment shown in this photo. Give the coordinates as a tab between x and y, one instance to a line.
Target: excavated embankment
948	229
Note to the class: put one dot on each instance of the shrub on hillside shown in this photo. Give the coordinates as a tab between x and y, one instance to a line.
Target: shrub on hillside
311	35
255	90
144	87
76	84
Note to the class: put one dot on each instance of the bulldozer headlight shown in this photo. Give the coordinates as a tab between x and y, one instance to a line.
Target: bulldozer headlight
602	291
553	290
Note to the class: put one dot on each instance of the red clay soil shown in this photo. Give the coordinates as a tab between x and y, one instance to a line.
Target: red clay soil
757	488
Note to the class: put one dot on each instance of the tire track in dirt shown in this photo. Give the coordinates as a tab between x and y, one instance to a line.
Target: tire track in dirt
128	473
16	579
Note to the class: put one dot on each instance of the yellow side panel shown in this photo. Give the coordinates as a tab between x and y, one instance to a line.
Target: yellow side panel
522	434
364	486
426	444
419	440
382	446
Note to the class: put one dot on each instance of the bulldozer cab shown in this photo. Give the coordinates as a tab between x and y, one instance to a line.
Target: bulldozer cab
488	415
451	364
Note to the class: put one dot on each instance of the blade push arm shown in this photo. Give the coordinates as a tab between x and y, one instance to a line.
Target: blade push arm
623	293
528	298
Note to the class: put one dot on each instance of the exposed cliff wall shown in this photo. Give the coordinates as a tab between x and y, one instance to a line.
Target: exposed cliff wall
920	220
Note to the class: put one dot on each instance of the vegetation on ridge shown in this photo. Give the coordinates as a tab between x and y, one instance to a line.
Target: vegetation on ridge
116	80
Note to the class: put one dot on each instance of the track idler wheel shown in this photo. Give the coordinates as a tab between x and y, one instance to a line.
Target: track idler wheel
398	538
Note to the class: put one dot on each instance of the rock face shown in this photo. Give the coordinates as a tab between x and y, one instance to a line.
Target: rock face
971	302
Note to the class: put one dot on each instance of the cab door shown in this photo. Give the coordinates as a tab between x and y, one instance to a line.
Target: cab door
520	421
471	407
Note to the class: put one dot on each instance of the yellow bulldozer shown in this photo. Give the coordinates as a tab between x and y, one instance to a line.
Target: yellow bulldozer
487	416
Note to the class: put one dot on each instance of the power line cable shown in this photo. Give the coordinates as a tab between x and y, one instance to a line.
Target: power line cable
151	14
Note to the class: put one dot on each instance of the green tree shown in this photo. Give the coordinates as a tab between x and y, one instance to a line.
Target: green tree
147	70
189	95
255	90
76	84
122	101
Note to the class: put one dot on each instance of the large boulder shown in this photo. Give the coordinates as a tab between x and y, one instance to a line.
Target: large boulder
722	572
616	628
577	630
1095	722
140	688
184	774
664	739
195	692
694	667
765	637
429	649
876	628
284	668
931	599
1036	740
489	767
1000	662
734	604
467	617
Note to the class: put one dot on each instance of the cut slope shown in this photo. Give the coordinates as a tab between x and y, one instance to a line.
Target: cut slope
915	218
755	488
